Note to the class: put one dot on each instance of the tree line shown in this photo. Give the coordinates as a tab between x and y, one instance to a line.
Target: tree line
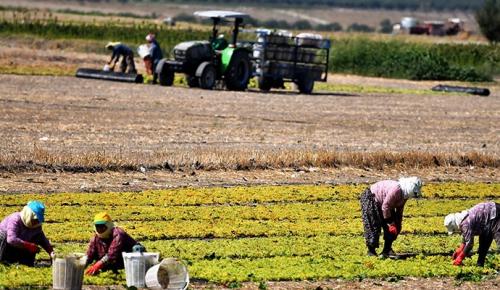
368	4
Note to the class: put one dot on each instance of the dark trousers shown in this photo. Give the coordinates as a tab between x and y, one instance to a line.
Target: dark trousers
373	222
10	254
492	232
128	62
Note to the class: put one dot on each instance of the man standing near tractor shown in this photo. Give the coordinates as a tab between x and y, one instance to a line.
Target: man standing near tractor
156	54
382	206
482	220
127	64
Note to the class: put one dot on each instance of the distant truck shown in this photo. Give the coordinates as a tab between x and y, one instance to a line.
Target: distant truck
273	59
410	25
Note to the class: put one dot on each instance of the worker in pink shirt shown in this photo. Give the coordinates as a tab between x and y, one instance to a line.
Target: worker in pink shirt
21	235
482	220
382	206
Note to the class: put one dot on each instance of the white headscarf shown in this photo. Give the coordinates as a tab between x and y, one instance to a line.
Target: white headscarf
27	216
410	186
453	220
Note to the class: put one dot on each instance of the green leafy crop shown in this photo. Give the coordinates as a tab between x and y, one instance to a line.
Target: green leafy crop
262	233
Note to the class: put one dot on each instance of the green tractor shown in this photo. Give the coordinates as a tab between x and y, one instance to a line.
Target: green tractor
206	62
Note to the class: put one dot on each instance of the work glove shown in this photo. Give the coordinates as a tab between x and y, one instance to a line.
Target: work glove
95	268
458	260
52	255
392	229
458	251
31	247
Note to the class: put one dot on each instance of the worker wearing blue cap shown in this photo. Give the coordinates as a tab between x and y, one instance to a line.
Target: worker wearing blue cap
21	235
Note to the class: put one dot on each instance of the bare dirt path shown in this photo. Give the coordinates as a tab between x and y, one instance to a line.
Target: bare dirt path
112	181
78	115
70	117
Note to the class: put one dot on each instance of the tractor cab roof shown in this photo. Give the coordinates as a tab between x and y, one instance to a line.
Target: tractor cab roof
221	14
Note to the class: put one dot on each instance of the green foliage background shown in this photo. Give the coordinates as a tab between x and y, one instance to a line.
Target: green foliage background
416	61
488	18
355	55
389	4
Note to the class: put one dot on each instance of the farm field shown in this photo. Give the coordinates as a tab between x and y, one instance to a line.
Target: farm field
229	236
237	236
55	126
252	190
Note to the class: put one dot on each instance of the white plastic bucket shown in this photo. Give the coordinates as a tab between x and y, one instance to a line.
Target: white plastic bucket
169	274
67	272
136	265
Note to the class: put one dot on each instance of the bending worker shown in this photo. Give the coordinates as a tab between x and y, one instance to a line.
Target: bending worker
107	245
482	220
127	55
382	206
21	233
155	52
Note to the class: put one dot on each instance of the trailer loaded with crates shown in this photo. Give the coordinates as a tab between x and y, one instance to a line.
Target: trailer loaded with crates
279	57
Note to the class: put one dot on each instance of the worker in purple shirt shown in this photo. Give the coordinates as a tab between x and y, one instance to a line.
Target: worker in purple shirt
107	245
382	206
21	233
127	55
482	220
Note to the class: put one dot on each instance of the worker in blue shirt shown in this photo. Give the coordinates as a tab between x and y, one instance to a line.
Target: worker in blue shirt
127	64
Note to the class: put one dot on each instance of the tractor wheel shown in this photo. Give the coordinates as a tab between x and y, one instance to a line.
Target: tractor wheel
265	83
166	77
192	81
208	77
305	84
238	74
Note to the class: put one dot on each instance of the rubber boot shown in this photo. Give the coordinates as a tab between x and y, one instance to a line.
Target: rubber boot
387	251
155	78
371	251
